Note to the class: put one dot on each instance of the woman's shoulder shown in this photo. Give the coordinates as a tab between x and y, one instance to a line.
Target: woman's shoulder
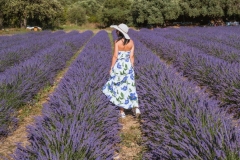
119	41
120	44
131	41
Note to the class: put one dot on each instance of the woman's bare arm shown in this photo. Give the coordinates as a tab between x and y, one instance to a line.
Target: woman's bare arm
132	56
115	55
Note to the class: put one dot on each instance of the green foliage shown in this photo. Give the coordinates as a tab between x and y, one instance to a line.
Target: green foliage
76	14
46	12
41	12
91	7
191	7
50	13
115	12
62	18
15	12
233	7
205	8
154	12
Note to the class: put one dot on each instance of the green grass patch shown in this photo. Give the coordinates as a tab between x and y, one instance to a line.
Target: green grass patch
89	26
11	31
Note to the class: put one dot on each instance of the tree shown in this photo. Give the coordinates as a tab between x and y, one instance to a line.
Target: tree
44	12
16	10
76	14
215	8
41	12
233	8
2	9
139	12
115	12
191	8
68	2
154	12
91	7
171	9
204	8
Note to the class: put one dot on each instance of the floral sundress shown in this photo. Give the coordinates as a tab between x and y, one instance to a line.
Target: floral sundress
120	88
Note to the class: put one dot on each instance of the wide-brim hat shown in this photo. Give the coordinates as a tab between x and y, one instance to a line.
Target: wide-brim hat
123	28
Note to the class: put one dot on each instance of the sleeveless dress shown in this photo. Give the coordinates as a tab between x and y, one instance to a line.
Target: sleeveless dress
120	88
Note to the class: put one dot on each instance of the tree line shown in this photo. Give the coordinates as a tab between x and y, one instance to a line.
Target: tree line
53	13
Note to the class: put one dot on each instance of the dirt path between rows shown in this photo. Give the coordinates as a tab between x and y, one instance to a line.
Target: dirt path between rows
29	112
131	136
131	147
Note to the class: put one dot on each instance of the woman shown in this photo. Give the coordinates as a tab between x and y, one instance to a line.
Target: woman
120	88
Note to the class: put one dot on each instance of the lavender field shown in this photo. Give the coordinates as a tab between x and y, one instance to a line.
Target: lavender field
28	65
188	82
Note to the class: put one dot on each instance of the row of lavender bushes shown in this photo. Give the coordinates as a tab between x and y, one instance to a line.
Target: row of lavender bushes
179	120
19	84
20	39
224	35
211	47
15	54
220	77
78	122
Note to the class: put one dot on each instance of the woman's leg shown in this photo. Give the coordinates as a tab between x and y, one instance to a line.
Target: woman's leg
136	111
121	110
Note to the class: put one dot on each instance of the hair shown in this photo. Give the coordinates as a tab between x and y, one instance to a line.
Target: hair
121	36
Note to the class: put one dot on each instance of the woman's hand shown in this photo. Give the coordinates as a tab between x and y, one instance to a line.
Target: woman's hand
110	71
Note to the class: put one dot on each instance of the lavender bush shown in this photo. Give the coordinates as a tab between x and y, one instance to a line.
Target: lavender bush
78	122
21	39
15	54
179	120
8	120
218	75
17	39
225	35
217	49
19	84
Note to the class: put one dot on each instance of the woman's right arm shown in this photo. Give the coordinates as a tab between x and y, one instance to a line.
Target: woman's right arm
115	55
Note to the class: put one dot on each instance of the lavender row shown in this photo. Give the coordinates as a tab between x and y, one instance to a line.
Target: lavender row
13	39
78	122
225	35
217	75
231	34
179	120
21	39
217	49
19	85
15	54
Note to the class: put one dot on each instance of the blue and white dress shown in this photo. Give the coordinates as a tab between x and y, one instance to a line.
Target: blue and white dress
120	88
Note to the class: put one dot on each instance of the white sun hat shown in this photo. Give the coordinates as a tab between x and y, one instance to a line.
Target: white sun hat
123	28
